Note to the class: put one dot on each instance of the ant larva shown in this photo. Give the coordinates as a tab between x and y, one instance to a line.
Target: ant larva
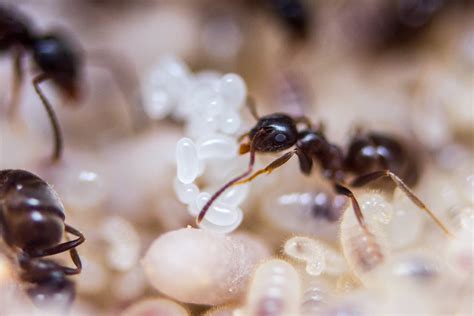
58	59
32	220
370	157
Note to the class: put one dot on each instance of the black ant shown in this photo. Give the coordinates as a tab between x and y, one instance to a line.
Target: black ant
32	220
57	57
370	157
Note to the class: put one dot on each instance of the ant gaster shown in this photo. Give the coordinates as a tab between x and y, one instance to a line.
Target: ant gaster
32	220
370	157
57	58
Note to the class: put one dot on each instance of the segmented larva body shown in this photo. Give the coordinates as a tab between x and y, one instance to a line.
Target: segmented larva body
275	290
364	250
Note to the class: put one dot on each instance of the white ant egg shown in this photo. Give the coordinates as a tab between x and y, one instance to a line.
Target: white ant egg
186	160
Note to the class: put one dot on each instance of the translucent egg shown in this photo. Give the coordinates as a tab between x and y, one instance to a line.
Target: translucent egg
186	160
186	193
229	122
233	90
164	87
220	217
217	146
235	195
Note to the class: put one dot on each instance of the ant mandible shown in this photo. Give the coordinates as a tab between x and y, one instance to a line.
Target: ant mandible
58	59
32	220
370	157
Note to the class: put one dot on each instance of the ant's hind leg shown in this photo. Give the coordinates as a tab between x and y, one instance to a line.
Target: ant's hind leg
365	179
58	139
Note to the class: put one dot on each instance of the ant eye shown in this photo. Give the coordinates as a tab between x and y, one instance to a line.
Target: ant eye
280	138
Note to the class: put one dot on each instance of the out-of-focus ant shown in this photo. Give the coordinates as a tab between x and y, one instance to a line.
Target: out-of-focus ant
370	157
293	14
57	58
32	223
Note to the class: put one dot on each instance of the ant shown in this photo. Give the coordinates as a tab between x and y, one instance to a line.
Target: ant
32	220
370	157
55	55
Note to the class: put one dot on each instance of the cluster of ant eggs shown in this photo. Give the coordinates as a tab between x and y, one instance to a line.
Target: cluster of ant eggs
208	103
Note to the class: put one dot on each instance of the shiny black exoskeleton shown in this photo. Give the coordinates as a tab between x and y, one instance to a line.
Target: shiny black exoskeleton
370	156
48	282
293	15
54	55
32	222
367	152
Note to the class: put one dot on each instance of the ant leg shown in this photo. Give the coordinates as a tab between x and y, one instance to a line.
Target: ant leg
58	139
306	163
250	103
268	169
364	179
17	82
65	246
341	189
125	78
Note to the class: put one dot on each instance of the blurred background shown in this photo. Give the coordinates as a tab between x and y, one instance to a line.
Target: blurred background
404	67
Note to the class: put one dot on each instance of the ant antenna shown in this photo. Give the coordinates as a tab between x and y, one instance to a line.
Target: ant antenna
226	186
58	139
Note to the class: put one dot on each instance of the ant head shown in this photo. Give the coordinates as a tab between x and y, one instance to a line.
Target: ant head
59	60
274	133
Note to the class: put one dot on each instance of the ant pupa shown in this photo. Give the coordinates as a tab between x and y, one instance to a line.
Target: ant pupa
32	223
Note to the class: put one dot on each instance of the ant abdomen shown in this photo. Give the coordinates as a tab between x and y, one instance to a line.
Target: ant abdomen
49	285
374	151
30	208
